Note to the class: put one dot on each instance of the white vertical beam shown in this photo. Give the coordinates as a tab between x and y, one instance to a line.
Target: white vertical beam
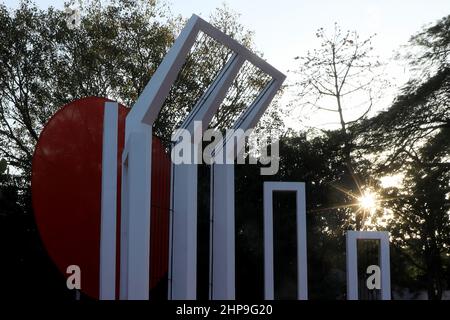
183	279
268	244
302	271
223	235
385	267
123	292
137	214
169	275
352	266
109	203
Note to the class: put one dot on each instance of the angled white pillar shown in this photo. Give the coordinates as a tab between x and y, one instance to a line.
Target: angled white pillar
223	282
210	101
151	100
183	276
352	262
109	203
136	191
302	273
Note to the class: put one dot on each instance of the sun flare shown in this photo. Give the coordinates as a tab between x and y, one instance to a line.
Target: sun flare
368	201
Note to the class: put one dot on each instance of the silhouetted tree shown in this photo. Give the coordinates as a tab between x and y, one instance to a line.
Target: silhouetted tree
412	138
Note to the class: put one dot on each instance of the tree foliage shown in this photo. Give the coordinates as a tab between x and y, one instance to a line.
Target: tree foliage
412	138
112	53
44	64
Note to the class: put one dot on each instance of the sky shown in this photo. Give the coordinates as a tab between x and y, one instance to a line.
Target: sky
284	29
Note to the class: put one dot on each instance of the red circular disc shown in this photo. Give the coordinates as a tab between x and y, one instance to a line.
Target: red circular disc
66	190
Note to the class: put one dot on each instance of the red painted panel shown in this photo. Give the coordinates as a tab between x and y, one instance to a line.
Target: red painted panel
66	190
159	234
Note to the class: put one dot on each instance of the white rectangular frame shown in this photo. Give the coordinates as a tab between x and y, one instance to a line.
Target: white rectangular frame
302	271
352	261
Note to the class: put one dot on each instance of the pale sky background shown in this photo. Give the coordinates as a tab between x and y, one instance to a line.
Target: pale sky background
286	28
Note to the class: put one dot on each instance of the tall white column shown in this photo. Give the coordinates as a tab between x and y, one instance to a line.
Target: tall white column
109	203
135	228
183	262
223	232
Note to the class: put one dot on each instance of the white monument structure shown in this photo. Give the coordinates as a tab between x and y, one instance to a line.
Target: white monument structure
136	184
136	177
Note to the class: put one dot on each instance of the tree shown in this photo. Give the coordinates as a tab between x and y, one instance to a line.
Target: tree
420	216
316	160
344	78
46	65
411	138
341	76
113	53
